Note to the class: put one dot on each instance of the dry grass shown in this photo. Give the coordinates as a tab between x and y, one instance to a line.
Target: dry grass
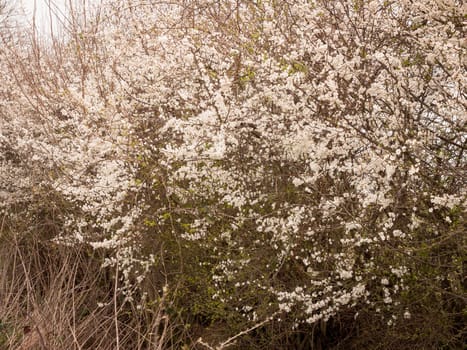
49	299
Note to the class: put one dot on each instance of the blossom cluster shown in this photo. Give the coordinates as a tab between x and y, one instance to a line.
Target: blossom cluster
300	150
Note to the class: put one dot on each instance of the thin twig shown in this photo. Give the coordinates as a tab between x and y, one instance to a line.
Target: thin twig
117	339
230	341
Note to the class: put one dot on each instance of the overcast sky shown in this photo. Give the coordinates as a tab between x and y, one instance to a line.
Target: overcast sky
42	17
44	14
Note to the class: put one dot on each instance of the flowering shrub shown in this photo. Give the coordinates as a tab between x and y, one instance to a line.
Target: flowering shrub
297	159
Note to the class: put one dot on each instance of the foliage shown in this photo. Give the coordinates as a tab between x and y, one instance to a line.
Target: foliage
291	165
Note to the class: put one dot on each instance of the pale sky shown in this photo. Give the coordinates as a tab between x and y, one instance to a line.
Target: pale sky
43	14
51	9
